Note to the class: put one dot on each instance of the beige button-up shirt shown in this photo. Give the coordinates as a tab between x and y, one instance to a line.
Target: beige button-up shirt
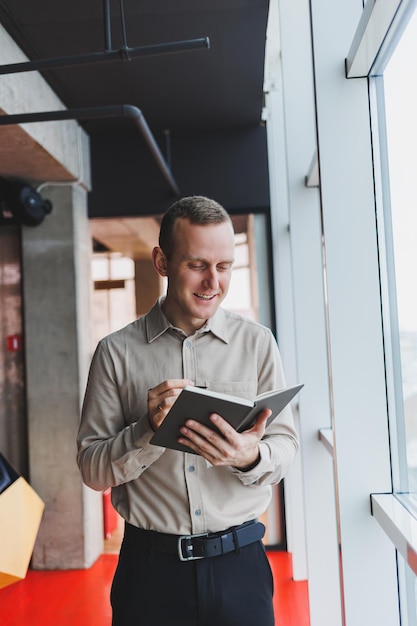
166	490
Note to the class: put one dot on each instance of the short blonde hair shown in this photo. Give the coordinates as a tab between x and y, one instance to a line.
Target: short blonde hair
195	209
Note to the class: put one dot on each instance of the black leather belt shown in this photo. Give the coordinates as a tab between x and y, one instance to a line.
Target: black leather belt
201	546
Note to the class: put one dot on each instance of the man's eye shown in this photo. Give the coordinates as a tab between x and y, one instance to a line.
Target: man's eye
196	266
224	267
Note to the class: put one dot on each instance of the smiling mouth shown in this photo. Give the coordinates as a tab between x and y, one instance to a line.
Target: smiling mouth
205	297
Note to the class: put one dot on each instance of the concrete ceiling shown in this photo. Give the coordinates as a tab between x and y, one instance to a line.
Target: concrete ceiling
133	237
202	89
209	90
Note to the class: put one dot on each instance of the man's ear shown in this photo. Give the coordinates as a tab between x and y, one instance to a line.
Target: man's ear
159	261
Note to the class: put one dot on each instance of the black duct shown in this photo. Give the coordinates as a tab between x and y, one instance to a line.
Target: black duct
21	203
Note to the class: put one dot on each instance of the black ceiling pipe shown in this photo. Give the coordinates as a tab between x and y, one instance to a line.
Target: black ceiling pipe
123	54
107	25
123	110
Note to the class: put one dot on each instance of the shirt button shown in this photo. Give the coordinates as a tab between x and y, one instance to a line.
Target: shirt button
191	468
197	512
188	344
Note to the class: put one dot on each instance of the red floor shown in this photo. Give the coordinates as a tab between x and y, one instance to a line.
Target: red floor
81	597
290	598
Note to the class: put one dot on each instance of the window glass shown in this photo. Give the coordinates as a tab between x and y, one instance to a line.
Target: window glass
400	86
113	303
399	185
239	297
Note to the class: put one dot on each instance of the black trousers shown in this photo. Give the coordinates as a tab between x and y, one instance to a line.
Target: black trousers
153	588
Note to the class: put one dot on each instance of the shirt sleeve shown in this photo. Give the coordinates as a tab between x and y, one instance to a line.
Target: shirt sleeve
111	451
280	443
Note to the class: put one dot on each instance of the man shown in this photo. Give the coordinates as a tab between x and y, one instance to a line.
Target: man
191	553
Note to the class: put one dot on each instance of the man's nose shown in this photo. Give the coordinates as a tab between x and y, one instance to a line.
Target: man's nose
212	278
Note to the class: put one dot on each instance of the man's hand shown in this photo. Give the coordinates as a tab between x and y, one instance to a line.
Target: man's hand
162	397
241	450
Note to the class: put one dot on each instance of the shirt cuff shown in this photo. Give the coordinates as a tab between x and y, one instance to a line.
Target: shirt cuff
250	476
142	431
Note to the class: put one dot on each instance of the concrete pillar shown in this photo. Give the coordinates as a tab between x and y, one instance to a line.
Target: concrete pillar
56	287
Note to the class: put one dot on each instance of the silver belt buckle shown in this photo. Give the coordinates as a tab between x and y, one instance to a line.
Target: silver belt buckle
189	557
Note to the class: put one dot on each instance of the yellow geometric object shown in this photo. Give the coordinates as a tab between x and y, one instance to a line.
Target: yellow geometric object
21	512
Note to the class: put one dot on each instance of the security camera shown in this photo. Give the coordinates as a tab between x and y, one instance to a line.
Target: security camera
21	203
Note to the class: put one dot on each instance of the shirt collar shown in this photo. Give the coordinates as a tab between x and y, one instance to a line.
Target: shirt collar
157	324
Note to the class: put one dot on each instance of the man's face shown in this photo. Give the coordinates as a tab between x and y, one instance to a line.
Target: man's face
198	271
